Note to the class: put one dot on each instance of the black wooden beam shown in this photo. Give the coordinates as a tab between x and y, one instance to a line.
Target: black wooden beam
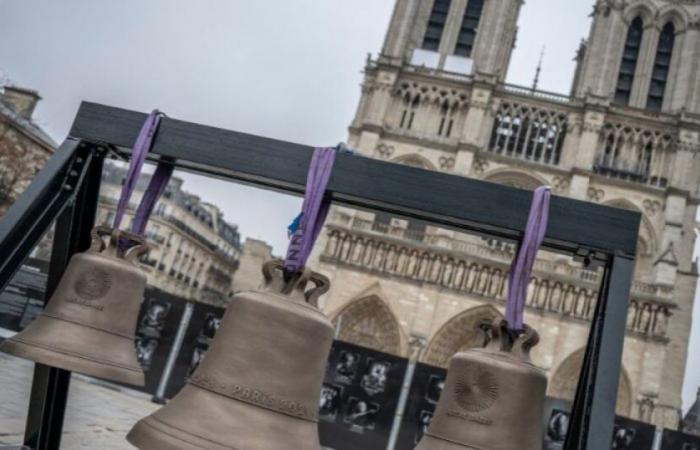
447	200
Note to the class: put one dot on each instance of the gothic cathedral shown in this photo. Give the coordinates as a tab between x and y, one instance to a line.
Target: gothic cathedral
627	135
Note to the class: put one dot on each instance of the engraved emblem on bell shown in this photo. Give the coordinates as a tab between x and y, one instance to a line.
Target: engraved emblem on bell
476	390
93	283
95	338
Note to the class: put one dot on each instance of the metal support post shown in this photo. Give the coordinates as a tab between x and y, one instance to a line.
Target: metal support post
174	352
49	394
593	413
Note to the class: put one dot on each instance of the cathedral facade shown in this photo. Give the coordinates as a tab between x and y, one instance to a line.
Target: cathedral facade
627	135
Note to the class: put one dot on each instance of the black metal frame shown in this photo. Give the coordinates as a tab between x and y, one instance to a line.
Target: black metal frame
67	189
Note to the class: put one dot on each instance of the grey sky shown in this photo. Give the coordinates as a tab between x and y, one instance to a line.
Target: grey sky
285	69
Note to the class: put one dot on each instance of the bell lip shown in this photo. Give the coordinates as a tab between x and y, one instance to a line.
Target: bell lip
145	435
154	431
73	363
445	444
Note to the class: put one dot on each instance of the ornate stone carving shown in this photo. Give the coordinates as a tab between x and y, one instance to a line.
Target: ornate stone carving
480	166
426	93
447	162
595	195
384	151
561	183
638	154
651	206
369	322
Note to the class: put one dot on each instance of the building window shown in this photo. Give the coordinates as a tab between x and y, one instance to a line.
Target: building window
529	133
409	112
662	65
629	62
446	121
470	24
436	24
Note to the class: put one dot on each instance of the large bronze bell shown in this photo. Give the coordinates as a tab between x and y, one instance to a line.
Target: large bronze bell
258	388
493	397
89	324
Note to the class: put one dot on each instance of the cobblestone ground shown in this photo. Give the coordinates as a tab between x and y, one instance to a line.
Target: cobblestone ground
98	415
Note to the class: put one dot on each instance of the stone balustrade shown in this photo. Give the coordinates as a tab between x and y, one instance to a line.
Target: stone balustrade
482	270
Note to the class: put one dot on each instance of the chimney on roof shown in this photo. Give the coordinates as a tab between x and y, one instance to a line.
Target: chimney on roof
22	101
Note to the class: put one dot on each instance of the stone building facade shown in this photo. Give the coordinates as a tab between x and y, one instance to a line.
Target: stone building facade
196	252
24	146
628	136
254	254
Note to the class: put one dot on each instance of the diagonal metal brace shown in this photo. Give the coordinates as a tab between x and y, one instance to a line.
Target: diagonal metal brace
53	188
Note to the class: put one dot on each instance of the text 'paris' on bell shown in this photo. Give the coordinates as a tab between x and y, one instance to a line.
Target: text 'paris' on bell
88	325
493	397
258	387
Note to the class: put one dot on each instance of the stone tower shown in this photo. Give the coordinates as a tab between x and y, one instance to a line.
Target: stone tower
628	136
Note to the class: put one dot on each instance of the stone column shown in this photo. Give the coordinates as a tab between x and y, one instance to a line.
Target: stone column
380	98
583	157
476	125
496	36
602	59
397	37
645	66
451	31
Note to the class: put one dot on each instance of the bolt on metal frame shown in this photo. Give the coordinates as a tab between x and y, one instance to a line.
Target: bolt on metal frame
67	190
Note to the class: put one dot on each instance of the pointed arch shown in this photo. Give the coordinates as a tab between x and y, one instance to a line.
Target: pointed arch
369	322
414	160
642	9
515	178
564	380
458	334
678	15
630	58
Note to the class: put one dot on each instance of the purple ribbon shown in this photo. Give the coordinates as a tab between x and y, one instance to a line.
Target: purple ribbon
521	268
314	210
158	182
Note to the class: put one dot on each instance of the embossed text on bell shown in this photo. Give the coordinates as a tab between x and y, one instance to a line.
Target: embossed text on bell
260	384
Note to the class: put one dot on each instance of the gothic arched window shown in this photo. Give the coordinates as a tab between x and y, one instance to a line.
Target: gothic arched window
467	32
409	112
662	65
436	24
629	62
446	120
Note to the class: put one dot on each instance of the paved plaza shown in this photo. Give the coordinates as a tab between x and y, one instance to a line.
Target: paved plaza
98	415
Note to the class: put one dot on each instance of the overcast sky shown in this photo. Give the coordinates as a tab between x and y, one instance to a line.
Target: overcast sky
285	69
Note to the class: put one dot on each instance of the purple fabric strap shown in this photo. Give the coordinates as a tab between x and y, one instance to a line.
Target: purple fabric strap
314	210
521	268
155	187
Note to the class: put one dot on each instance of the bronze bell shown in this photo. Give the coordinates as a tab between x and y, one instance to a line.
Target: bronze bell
258	387
89	324
493	397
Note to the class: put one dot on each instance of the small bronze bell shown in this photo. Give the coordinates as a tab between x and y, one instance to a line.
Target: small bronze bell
258	388
89	324
493	397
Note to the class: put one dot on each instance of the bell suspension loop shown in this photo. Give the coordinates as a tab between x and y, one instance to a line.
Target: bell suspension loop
524	260
305	229
156	186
